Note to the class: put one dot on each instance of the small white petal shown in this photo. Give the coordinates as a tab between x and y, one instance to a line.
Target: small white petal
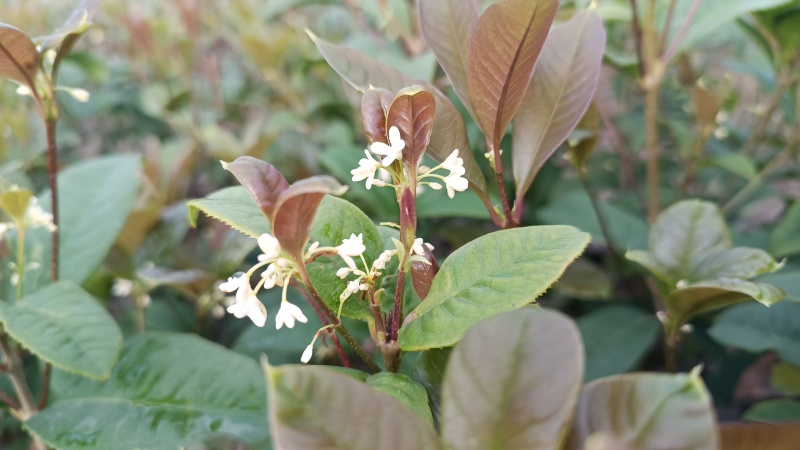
343	272
307	353
270	247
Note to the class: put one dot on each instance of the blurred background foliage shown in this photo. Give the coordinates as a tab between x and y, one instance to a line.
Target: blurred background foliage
186	83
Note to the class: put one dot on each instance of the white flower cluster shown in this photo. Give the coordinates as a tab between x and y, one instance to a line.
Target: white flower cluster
351	247
35	217
278	273
369	166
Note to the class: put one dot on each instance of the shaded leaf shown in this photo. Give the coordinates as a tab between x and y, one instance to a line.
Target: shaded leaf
522	372
235	207
785	378
774	411
761	436
502	53
586	281
412	112
429	370
65	326
374	105
264	182
167	391
65	38
405	390
754	328
447	27
787	281
559	94
498	272
363	72
582	147
785	238
616	338
294	211
19	60
314	407
646	411
422	274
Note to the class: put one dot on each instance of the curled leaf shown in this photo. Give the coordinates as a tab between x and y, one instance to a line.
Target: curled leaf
374	105
412	112
422	274
19	60
264	182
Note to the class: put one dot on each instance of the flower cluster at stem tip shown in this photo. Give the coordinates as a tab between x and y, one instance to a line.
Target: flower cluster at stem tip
369	166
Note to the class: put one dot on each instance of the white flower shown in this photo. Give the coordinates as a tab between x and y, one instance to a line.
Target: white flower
122	288
307	353
353	246
270	276
435	186
418	249
366	170
384	175
352	287
247	304
455	182
36	217
383	259
392	152
287	314
270	247
453	163
343	272
4	227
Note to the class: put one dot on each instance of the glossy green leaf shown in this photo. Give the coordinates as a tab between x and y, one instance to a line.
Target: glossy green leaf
785	239
502	53
512	382
405	390
235	207
562	87
167	391
65	326
499	272
95	199
616	338
316	407
447	27
336	220
449	133
774	411
761	436
19	60
754	328
646	411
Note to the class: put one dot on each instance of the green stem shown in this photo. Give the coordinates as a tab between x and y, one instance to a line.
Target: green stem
20	257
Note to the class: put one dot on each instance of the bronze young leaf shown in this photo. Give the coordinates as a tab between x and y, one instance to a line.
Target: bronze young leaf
19	60
412	112
374	104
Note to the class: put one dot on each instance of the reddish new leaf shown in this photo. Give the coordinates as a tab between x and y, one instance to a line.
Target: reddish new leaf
412	112
294	211
761	436
560	93
374	105
447	27
502	53
422	274
363	72
19	60
264	182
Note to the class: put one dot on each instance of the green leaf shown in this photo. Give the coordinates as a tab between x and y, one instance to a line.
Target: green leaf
502	54
789	282
774	411
167	391
19	60
449	132
65	38
562	87
785	239
15	203
739	262
95	199
754	328
65	326
435	204
337	219
616	338
646	411
235	207
499	272
512	382
405	390
709	17
447	27
586	281
736	163
761	436
785	378
316	407
429	371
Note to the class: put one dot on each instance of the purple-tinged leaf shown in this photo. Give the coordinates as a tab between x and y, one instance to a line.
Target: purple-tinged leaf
450	133
560	93
294	211
447	27
374	106
264	182
412	112
422	274
502	53
19	60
